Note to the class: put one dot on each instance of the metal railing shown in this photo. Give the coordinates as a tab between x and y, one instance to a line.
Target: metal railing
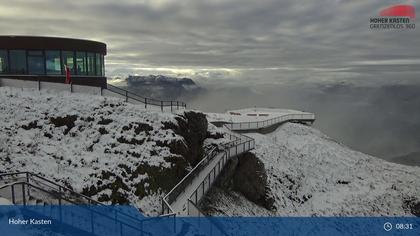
240	144
125	94
85	218
173	105
266	123
180	187
33	186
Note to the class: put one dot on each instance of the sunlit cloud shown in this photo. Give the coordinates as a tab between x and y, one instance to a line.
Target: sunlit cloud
238	40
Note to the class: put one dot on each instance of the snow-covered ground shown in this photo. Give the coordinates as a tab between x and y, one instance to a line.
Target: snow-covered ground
84	140
76	138
310	174
250	114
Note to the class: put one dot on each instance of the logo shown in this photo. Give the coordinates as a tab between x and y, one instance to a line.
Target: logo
399	16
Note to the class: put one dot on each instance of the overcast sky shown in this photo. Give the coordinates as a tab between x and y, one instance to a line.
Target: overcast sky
317	55
239	39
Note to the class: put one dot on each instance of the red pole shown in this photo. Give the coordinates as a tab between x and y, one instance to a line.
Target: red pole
68	75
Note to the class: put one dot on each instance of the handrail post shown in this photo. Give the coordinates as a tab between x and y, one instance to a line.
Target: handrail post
171	106
161	106
145	103
126	96
13	194
177	105
27	181
23	194
59	204
196	196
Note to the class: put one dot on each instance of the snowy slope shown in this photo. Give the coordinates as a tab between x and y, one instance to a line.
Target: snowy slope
101	146
311	174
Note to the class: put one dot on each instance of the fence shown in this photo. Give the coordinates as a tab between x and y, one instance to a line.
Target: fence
211	165
111	91
134	98
266	123
187	180
241	144
25	188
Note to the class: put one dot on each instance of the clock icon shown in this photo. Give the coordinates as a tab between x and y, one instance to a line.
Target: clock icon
387	226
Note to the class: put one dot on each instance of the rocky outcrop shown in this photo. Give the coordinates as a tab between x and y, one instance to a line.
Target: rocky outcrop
192	126
412	205
246	174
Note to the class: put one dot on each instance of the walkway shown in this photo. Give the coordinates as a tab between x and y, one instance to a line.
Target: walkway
192	188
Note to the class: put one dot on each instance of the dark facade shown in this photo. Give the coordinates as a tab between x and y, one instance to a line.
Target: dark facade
43	58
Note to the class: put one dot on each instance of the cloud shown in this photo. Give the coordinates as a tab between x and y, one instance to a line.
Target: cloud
208	37
265	52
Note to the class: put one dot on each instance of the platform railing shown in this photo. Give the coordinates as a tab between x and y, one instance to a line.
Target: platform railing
254	125
127	95
187	180
111	90
239	144
85	218
24	186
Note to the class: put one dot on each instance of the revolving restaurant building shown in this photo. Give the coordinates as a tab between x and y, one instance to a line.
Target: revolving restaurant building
43	59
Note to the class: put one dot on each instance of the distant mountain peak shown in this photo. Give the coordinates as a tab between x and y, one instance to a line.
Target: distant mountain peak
159	86
158	80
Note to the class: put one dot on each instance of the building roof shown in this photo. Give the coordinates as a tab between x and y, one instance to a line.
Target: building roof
51	43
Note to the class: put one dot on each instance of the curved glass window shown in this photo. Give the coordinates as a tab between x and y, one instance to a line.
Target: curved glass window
81	63
36	63
53	62
17	61
98	64
90	63
3	62
68	60
102	65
